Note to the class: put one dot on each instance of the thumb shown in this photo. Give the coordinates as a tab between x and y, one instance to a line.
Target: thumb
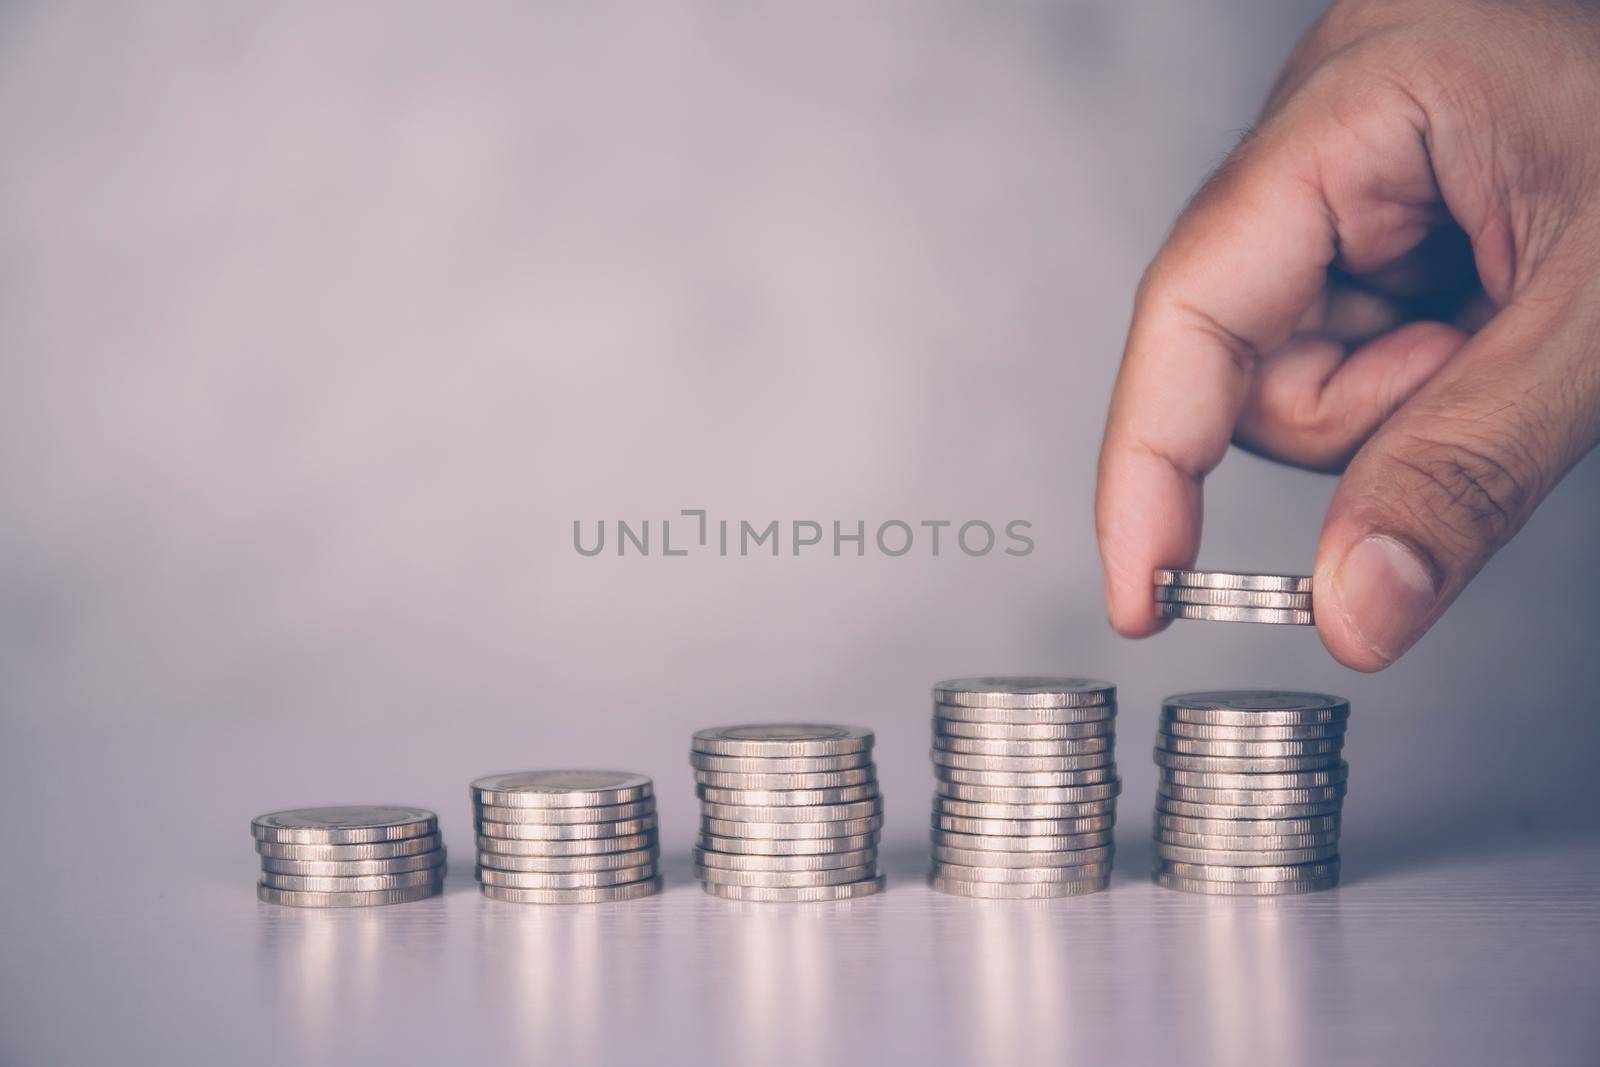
1453	475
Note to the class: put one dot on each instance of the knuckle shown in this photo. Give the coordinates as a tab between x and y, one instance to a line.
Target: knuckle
1149	282
1240	350
1162	294
1325	434
1473	490
1308	423
1308	414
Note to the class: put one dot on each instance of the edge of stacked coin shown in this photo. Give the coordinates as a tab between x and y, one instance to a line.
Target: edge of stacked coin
348	856
788	812
1251	792
1221	596
566	836
1026	786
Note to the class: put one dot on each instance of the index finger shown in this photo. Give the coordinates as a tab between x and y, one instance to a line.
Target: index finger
1240	267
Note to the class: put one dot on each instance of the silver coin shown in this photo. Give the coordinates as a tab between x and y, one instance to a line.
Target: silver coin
1264	583
1332	732
1016	875
1319	824
1190	746
818	780
702	761
591	846
1028	860
1255	707
1285	780
973	809
791	830
787	847
294	899
1238	598
1210	811
368	883
1181	761
782	740
1248	858
567	816
601	895
1015	890
977	746
605	861
786	798
350	824
796	813
996	794
1021	827
1214	613
1024	692
1027	779
377	850
1073	716
423	861
1198	795
1034	843
796	894
1260	843
562	789
564	879
1299	872
826	861
974	762
999	827
971	857
1105	728
1243	889
522	831
787	879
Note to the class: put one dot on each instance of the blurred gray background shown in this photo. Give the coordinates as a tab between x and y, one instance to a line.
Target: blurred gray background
321	324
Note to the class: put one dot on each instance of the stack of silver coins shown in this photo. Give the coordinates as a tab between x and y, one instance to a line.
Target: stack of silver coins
788	812
348	857
1252	786
566	837
1026	786
1219	596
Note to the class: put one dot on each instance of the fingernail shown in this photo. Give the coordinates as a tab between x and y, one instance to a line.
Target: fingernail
1386	593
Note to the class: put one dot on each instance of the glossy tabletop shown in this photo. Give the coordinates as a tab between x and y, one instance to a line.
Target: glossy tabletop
1480	955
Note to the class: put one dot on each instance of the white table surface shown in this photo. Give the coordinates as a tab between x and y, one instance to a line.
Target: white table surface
1485	953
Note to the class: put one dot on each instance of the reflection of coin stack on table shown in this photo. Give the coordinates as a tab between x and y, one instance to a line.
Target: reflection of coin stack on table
566	837
1218	596
1027	786
353	856
1252	785
788	812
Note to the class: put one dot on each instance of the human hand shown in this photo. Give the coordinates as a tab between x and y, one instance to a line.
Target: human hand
1396	274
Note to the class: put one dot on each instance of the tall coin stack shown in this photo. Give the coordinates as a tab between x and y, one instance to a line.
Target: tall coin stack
788	812
1219	596
566	837
1252	785
1026	789
347	857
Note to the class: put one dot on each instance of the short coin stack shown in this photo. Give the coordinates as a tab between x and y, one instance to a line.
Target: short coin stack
1252	785
348	857
1026	790
1218	596
566	837
788	812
